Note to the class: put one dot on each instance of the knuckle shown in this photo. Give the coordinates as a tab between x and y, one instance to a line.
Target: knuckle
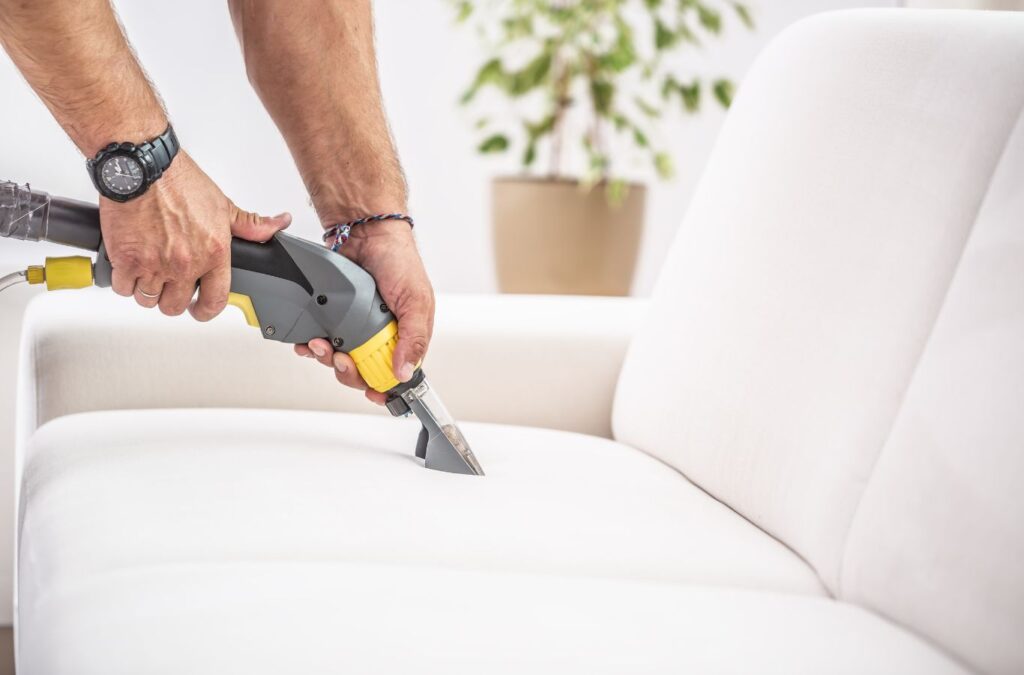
179	261
172	308
219	248
349	381
127	261
203	314
212	307
417	344
123	287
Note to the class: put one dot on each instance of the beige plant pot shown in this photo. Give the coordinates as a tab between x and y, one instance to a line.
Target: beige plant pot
551	236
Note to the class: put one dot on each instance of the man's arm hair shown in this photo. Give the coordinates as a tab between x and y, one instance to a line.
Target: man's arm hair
313	66
77	59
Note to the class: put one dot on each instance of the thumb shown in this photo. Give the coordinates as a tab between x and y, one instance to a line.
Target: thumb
254	227
413	337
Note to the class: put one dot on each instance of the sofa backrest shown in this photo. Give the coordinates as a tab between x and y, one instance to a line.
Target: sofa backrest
937	541
805	284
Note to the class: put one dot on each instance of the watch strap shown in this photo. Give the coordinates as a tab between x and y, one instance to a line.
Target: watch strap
162	150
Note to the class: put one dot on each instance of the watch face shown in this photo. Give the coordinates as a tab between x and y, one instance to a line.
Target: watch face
122	174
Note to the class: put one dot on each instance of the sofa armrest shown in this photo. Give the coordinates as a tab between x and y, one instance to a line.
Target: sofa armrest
532	360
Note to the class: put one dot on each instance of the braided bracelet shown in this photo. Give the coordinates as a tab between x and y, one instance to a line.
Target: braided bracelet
342	231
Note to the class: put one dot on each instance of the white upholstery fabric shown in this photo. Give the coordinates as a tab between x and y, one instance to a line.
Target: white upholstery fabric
12	304
198	541
13	255
814	259
105	491
938	540
102	352
290	616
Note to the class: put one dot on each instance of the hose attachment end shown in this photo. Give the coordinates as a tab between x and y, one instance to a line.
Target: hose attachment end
67	273
35	275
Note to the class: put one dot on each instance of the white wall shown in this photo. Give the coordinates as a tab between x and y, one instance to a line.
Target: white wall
425	65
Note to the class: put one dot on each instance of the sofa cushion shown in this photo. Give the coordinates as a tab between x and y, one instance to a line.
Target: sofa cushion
111	490
815	257
273	616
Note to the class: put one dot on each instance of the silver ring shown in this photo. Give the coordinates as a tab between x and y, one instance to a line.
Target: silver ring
147	295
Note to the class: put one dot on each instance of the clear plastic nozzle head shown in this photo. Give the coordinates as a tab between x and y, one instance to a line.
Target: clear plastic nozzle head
23	212
447	449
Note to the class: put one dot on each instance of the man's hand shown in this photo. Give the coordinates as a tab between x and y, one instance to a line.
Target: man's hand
176	235
387	250
305	60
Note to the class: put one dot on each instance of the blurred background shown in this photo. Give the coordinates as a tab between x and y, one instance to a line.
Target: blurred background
428	60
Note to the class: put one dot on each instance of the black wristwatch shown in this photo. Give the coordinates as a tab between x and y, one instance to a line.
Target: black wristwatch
124	171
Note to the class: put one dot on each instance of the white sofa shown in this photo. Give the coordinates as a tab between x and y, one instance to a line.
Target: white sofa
815	429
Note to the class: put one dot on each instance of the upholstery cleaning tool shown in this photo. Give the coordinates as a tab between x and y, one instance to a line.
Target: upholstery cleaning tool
291	289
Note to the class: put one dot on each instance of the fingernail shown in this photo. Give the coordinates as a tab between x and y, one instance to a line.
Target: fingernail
406	371
341	367
318	350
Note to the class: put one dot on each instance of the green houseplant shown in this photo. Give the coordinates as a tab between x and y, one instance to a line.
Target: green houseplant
577	89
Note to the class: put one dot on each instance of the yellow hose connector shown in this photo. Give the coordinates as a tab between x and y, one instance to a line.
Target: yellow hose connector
65	273
36	274
374	358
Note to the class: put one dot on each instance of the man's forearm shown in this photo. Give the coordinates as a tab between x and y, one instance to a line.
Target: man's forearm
313	66
75	56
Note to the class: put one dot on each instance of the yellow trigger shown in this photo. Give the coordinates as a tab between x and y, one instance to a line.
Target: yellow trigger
244	303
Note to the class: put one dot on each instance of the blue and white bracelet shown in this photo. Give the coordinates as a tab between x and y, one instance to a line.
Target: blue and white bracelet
342	231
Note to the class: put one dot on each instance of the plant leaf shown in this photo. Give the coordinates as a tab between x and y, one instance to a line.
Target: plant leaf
724	91
518	27
464	10
534	130
602	92
646	108
691	96
684	33
743	12
663	37
615	192
492	144
663	165
668	85
529	155
709	18
623	52
531	76
491	72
